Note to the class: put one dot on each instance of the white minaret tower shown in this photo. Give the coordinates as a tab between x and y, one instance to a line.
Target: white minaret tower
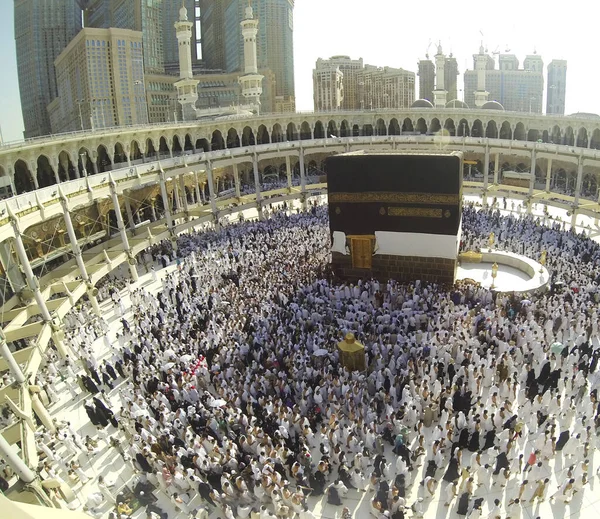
440	93
187	87
481	59
251	81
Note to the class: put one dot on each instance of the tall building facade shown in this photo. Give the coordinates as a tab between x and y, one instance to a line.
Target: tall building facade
557	87
349	97
516	89
170	15
42	30
426	73
451	77
145	16
328	88
386	87
100	77
223	44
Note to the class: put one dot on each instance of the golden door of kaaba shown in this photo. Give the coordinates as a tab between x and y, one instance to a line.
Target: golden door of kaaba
361	252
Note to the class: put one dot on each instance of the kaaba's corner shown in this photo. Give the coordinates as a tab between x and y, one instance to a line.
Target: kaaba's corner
395	215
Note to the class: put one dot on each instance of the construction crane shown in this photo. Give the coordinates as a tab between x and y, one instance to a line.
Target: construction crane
427	51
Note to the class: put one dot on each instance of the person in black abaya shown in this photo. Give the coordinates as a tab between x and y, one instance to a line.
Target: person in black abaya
490	439
501	463
143	462
89	384
474	441
463	504
101	409
452	474
92	415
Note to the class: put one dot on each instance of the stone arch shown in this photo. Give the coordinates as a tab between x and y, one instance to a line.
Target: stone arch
89	165
45	172
463	129
421	126
556	135
305	132
407	126
450	127
262	135
394	127
380	127
569	137
202	144
277	135
187	143
477	128
367	130
217	142
66	169
291	133
519	134
119	154
595	142
319	130
435	125
248	138
533	135
134	151
163	147
332	130
344	129
103	161
150	151
491	130
355	130
582	137
545	136
506	131
233	140
177	148
23	177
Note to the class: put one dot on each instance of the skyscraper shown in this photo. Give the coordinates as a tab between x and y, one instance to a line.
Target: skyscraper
557	87
351	90
223	45
450	77
138	15
426	79
43	28
518	90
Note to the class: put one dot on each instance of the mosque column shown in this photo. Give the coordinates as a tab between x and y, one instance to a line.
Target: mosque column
548	175
129	213
42	413
32	165
579	180
211	191
197	189
13	366
166	202
15	462
257	186
486	172
531	180
34	286
288	171
56	164
91	290
176	195
153	209
13	273
496	168
184	197
236	180
302	180
122	229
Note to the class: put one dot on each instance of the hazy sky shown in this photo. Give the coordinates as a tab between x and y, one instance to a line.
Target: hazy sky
396	33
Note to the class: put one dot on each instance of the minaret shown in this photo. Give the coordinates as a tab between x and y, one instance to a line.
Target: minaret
440	93
251	81
187	87
481	60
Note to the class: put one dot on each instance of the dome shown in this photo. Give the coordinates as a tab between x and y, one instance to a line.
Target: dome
585	114
183	14
422	103
456	103
492	105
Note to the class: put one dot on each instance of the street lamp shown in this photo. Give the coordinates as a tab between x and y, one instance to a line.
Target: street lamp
83	157
361	84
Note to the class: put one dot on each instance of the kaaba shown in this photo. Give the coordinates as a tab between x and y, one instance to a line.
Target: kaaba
395	215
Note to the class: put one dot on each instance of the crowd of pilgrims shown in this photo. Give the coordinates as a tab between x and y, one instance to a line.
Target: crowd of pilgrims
226	405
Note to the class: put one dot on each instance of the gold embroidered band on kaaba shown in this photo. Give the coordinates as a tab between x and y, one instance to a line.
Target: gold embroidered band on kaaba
422	212
388	197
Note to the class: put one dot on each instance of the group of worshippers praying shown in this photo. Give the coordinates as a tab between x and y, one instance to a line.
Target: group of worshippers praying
487	400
